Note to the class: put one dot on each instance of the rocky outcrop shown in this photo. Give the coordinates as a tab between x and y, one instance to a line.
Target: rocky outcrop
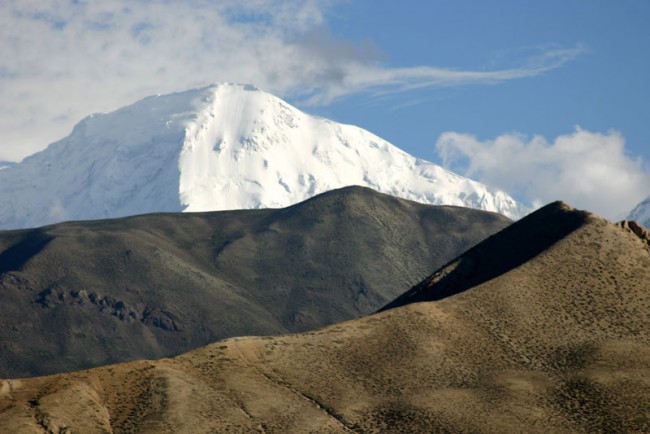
637	229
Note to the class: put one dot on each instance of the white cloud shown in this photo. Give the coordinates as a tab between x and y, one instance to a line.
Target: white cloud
363	77
588	170
61	60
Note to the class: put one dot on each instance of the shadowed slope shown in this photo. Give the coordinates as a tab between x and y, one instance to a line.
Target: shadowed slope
560	344
30	245
498	254
83	294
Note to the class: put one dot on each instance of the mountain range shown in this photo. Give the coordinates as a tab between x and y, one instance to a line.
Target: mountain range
542	327
220	147
641	213
83	294
224	262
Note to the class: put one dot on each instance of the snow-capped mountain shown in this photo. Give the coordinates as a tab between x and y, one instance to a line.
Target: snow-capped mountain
641	213
220	147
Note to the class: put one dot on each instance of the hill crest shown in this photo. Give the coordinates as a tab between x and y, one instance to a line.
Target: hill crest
500	253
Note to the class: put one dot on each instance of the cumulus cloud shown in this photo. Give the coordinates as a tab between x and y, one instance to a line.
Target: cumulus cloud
63	59
589	170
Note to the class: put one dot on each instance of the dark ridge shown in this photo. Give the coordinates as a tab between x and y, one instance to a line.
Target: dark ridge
78	294
13	258
498	254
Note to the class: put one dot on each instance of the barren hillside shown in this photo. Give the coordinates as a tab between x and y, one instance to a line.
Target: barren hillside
555	339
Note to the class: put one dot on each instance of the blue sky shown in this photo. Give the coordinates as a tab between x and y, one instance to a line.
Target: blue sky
545	100
606	87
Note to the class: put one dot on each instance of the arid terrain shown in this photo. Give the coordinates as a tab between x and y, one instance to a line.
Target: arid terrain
544	327
85	294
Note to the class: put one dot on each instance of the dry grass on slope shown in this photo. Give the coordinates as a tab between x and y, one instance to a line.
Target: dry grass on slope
558	343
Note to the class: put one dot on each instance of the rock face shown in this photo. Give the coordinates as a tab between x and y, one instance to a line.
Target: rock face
639	230
221	147
83	294
551	334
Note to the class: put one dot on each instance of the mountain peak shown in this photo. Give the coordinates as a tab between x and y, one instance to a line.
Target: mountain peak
641	212
219	147
505	251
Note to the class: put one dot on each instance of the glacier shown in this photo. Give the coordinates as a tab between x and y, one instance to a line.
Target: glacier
220	147
641	213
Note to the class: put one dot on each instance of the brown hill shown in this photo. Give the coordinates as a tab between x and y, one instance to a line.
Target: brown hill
499	254
557	341
84	294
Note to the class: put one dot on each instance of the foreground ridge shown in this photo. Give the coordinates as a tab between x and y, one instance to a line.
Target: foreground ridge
500	253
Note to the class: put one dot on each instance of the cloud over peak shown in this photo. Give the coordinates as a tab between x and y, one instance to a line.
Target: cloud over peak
590	170
63	59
